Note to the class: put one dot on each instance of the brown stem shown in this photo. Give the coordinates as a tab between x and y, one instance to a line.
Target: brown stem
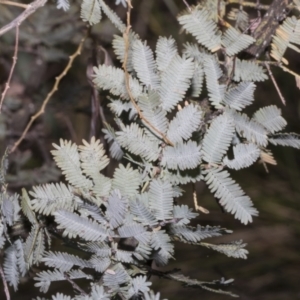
31	8
50	94
15	58
11	3
6	290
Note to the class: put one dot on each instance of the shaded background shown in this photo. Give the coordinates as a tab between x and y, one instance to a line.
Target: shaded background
272	270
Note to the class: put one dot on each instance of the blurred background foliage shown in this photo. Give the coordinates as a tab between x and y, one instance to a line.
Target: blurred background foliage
47	38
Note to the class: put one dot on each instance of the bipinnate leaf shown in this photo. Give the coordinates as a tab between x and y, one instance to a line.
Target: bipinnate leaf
76	226
235	41
166	50
175	81
217	139
182	156
90	11
270	117
231	196
134	139
244	156
198	23
144	64
67	159
286	139
240	96
186	121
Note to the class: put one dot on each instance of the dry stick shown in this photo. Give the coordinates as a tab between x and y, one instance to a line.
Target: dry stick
249	4
15	58
4	284
275	84
14	3
31	8
54	89
127	78
75	285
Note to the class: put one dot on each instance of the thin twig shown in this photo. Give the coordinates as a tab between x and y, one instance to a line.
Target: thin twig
75	285
6	290
15	58
127	78
50	94
249	4
11	3
275	84
187	5
31	8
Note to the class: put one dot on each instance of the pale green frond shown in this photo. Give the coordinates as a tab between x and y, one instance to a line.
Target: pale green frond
151	108
118	44
134	139
141	213
234	249
218	139
117	207
45	278
101	249
113	79
199	24
60	296
119	106
139	285
90	11
244	156
161	199
188	234
270	117
93	158
249	129
183	214
100	264
145	65
50	197
185	122
214	8
76	226
285	36
240	95
198	54
231	196
245	70
235	41
27	208
183	177
197	80
14	265
166	50
63	261
116	277
30	245
114	148
175	81
113	17
67	159
123	256
213	73
240	17
40	247
126	180
101	188
286	139
135	230
161	241
10	208
152	296
182	156
97	293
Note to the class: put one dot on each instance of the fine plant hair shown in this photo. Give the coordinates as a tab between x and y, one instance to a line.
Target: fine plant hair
179	118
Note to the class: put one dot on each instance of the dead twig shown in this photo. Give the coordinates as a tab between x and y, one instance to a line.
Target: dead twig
50	94
6	290
15	58
127	78
11	3
30	9
275	84
75	285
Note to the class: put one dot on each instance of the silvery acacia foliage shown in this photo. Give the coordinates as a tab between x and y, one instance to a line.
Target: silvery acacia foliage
118	224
